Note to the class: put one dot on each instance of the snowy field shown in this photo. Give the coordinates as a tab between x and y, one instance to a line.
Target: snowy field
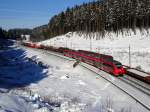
116	45
38	81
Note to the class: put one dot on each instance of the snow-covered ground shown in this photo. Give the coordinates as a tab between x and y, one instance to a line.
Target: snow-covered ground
113	44
78	89
22	101
39	81
16	72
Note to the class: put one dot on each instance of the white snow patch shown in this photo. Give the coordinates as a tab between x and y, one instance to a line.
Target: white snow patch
64	77
80	82
110	110
97	101
106	86
35	97
43	109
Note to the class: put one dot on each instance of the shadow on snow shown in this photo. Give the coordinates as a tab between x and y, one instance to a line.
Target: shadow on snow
16	70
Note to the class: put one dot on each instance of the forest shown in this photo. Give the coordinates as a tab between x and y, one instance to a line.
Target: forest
13	33
101	16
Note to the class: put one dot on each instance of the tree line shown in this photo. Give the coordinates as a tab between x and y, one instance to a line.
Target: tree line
14	33
98	16
36	34
101	16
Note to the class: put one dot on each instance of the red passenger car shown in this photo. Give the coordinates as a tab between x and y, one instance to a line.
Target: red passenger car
101	61
32	45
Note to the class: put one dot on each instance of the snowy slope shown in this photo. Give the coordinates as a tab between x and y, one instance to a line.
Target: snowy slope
116	45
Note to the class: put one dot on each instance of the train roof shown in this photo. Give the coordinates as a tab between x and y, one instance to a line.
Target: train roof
96	54
116	62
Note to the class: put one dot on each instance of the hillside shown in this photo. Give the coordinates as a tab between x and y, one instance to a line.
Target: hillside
38	33
106	26
112	44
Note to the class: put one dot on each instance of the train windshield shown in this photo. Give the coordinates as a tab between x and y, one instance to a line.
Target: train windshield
118	64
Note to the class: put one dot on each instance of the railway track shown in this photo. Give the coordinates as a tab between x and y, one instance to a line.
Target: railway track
140	86
143	87
138	74
133	97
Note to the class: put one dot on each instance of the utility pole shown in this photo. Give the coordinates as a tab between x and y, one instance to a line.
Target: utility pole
71	44
90	44
129	56
66	43
99	56
98	50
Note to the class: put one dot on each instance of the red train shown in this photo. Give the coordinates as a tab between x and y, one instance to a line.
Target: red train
32	45
101	61
142	76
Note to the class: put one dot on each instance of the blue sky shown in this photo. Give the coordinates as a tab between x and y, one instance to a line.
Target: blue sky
31	13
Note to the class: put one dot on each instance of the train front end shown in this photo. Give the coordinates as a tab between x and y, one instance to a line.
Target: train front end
118	69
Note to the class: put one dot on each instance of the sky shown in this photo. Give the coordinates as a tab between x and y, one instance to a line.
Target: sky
31	13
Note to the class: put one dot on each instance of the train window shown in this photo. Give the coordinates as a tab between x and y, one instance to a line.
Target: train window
89	54
98	64
104	58
89	61
118	64
105	64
